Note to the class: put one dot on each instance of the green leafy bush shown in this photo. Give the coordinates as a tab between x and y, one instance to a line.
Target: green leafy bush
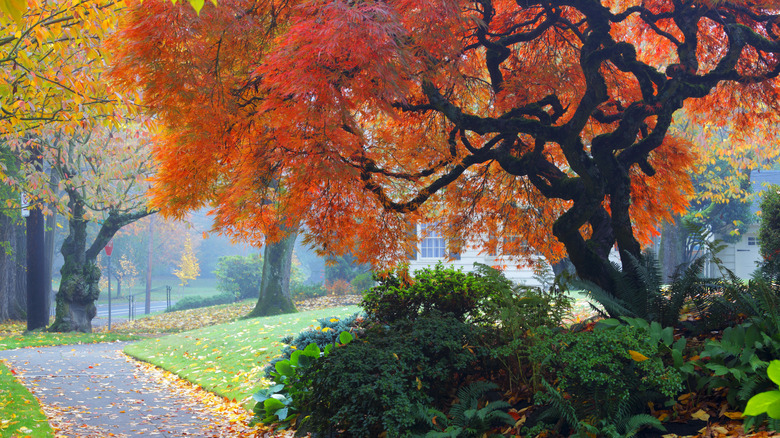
280	403
438	289
768	402
240	275
518	309
374	384
197	302
604	375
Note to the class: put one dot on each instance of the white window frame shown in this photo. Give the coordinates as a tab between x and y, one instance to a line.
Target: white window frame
432	245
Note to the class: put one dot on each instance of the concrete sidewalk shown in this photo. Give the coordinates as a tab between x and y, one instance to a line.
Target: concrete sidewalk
93	390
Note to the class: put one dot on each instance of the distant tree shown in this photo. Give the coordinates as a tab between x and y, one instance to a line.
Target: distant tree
240	275
188	268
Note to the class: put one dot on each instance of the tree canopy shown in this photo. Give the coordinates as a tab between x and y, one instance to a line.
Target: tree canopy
549	120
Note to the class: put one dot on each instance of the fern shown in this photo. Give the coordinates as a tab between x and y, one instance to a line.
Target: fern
469	417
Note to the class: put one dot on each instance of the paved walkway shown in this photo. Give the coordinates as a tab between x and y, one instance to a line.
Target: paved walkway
95	391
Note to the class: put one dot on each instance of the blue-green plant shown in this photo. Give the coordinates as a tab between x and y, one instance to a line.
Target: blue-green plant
326	332
735	362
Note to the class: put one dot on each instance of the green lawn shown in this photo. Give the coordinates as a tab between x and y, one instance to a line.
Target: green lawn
20	414
228	359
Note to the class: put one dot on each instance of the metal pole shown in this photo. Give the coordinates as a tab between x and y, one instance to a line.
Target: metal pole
109	292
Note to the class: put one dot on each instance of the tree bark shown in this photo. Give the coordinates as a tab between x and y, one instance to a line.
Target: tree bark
80	272
13	279
38	292
275	296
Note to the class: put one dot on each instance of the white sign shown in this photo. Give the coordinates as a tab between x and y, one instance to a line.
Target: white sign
25	210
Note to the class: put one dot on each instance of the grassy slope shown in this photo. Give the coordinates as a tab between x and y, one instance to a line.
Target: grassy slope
228	359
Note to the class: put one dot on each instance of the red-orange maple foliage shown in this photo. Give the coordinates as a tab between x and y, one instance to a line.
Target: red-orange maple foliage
542	119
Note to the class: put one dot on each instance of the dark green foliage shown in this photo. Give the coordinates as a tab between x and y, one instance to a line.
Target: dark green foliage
470	417
518	309
769	232
375	383
642	293
306	291
240	275
599	376
438	289
326	333
738	361
198	302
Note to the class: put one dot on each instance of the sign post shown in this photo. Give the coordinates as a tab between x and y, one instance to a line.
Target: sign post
109	248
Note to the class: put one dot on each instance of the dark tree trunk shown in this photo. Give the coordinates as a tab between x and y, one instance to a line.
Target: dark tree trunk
13	277
80	272
275	296
38	292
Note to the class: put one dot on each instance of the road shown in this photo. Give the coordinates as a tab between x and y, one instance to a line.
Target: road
120	308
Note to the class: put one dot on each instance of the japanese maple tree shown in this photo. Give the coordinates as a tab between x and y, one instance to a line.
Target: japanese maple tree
547	120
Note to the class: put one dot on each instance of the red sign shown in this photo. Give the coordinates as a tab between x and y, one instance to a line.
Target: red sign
109	247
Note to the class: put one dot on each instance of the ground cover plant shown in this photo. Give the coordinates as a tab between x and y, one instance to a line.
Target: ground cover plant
228	359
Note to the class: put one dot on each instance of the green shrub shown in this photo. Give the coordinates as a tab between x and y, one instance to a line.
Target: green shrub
197	302
438	289
606	375
517	310
240	275
280	403
374	384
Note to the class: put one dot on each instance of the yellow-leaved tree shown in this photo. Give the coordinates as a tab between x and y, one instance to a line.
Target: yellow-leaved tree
189	269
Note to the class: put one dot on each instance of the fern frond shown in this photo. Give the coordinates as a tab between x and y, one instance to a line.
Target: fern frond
637	422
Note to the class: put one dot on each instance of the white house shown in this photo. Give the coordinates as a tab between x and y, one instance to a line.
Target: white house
743	257
432	249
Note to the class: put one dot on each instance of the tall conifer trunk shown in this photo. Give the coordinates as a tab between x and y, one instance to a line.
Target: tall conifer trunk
13	280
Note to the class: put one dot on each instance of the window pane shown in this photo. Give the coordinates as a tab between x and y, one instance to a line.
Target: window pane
432	245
